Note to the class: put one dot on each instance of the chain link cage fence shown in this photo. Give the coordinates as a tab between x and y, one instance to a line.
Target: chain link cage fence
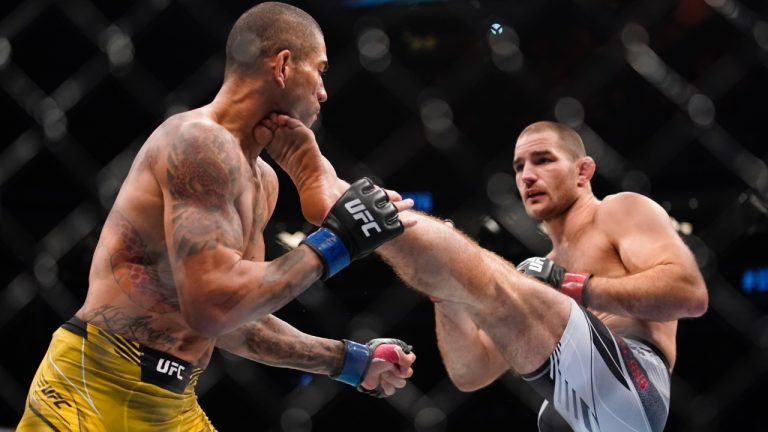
425	97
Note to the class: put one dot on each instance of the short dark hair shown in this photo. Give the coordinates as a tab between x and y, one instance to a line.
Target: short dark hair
573	144
266	29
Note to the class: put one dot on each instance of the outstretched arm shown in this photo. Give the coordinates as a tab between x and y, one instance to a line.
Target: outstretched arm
664	281
271	341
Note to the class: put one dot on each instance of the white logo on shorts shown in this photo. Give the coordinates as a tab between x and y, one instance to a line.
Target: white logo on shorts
170	367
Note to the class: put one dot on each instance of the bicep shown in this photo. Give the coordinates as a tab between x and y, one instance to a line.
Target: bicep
201	182
644	236
201	178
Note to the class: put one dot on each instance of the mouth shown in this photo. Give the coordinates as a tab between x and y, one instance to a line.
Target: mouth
533	195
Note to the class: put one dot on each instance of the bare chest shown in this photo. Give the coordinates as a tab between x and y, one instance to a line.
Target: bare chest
590	252
255	207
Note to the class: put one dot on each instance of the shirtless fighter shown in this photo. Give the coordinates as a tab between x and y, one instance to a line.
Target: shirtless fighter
599	346
180	265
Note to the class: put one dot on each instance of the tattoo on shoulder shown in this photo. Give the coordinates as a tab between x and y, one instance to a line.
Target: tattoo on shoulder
204	171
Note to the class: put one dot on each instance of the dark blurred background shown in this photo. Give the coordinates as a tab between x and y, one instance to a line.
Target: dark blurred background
426	98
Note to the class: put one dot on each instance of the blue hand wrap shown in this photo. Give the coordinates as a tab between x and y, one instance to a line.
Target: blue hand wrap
332	250
355	363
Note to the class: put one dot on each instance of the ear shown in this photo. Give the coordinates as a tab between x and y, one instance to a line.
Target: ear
280	67
586	169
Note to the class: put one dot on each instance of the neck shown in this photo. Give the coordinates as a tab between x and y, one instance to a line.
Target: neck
571	220
239	106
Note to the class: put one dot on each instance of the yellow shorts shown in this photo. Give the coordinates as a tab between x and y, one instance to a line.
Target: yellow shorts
92	380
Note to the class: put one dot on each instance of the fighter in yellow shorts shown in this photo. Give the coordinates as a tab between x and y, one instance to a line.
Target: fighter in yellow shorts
91	378
180	265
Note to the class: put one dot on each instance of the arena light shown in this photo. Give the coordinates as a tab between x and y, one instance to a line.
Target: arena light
290	241
505	50
373	45
743	18
569	111
118	46
437	117
422	201
755	280
650	66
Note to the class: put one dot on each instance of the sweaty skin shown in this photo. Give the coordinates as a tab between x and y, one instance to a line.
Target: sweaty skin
490	318
132	285
192	191
180	264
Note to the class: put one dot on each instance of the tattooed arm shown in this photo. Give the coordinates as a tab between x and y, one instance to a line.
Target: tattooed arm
218	290
274	342
271	341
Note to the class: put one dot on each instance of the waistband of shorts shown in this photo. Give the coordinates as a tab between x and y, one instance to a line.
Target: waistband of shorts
653	348
161	369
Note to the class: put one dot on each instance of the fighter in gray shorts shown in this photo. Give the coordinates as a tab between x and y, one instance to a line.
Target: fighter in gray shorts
595	381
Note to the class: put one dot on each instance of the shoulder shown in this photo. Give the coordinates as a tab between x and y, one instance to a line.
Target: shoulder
203	132
630	211
203	153
203	142
627	203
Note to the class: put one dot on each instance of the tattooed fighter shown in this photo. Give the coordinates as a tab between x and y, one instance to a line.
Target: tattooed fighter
180	265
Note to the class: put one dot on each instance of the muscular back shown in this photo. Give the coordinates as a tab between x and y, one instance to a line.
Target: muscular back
189	174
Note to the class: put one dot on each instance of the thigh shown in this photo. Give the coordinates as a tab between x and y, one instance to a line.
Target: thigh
57	399
595	381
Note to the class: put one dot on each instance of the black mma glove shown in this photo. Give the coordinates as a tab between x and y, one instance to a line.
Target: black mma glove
358	358
574	285
359	222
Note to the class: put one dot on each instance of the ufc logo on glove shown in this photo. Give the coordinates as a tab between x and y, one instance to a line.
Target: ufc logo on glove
358	211
536	264
341	238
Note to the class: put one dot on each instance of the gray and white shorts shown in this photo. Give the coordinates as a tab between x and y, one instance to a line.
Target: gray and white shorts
595	381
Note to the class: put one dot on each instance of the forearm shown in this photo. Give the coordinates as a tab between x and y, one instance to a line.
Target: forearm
664	292
221	291
469	356
274	342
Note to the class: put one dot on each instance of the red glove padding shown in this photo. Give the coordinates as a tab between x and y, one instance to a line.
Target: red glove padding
389	367
572	284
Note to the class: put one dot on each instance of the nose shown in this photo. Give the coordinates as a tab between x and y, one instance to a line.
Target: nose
322	95
528	175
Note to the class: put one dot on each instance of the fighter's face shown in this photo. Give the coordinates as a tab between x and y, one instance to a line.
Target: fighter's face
546	176
307	91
